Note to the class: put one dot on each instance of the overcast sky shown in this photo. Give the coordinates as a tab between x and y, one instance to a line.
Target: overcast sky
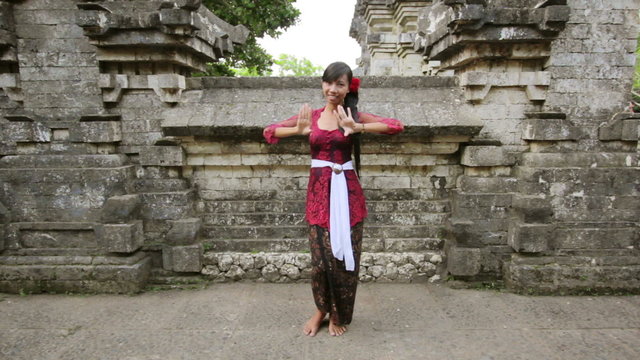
320	35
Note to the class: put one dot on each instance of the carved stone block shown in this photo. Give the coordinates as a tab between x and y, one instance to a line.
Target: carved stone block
183	258
162	156
530	238
464	261
120	209
486	156
121	238
96	132
184	231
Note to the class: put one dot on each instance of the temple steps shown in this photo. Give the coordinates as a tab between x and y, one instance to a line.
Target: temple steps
298	206
87	274
302	245
300	231
279	219
63	161
590	271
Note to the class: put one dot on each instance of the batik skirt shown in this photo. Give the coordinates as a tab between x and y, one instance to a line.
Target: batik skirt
334	288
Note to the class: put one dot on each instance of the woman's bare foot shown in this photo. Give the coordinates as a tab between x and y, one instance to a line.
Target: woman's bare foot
336	330
311	327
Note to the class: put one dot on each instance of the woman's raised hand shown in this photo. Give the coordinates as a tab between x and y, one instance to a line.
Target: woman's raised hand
345	120
304	120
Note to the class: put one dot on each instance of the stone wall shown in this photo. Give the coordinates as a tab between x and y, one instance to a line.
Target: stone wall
518	162
549	196
251	194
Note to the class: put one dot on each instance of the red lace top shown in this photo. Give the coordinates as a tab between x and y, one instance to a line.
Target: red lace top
331	145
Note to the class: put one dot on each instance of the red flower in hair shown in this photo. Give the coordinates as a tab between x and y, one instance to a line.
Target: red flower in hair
355	85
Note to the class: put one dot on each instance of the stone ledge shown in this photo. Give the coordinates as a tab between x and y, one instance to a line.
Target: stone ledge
486	156
550	129
121	278
572	274
64	161
369	244
581	159
313	82
68	260
623	126
293	267
440	133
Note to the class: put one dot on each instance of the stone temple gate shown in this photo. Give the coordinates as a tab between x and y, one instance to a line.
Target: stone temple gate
520	161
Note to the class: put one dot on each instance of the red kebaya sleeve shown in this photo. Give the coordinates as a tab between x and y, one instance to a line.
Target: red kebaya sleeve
269	132
395	125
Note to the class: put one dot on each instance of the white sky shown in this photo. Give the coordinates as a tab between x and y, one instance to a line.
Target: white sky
320	35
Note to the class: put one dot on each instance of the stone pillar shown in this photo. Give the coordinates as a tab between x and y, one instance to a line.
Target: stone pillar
380	39
386	30
132	38
91	185
410	62
9	74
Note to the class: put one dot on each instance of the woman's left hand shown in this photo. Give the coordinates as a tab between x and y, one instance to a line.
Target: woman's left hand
345	120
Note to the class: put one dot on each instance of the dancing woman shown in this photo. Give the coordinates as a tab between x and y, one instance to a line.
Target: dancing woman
335	207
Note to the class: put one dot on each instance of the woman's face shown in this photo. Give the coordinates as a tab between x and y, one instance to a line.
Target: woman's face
335	91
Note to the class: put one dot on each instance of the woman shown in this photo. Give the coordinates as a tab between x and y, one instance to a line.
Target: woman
335	201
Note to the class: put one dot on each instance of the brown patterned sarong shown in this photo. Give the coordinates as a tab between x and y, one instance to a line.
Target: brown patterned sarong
334	288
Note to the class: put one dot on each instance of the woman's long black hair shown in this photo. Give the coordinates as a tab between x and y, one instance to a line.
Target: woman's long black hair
332	73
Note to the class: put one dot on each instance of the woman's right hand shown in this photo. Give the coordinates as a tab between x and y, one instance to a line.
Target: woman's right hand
303	125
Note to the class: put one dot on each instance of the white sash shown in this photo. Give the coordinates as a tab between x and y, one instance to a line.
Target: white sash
339	220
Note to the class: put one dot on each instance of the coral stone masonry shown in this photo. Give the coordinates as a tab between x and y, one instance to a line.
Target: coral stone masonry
520	162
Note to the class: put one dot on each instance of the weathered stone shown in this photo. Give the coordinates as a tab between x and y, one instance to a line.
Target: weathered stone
291	271
120	238
530	237
224	262
622	126
463	261
183	258
183	231
270	273
112	278
391	271
428	269
532	209
96	132
488	185
120	209
252	274
25	131
550	129
211	271
235	272
376	270
366	260
407	271
486	156
246	262
5	219
162	156
260	260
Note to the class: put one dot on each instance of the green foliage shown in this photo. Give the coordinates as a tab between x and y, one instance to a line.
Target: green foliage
635	92
249	72
290	65
261	17
286	65
636	79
